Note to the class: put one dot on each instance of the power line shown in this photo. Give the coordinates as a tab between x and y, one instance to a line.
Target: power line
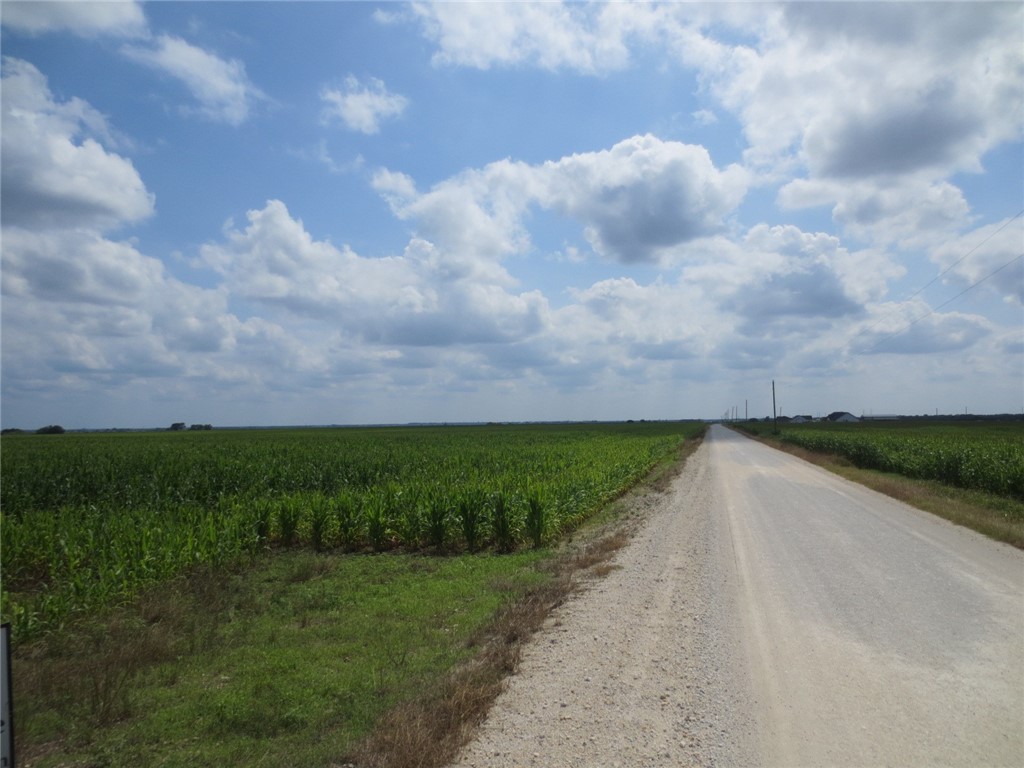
920	290
955	263
943	304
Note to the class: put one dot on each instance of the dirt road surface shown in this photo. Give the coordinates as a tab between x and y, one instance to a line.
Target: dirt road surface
769	613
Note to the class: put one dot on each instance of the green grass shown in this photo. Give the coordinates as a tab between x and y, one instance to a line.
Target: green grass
290	662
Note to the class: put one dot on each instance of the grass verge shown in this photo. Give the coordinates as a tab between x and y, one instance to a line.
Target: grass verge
290	661
997	517
303	658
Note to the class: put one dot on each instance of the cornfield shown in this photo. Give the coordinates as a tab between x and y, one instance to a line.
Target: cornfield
88	519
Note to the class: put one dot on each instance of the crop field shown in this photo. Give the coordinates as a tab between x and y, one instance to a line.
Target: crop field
88	519
980	456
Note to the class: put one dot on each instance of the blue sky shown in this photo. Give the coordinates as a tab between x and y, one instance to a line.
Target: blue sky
309	213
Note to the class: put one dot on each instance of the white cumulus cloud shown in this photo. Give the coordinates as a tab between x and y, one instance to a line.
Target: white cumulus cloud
853	100
644	195
413	299
991	254
221	86
633	201
911	327
585	37
118	19
81	309
56	170
361	106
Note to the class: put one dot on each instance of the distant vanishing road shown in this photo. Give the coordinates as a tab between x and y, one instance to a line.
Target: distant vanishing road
770	613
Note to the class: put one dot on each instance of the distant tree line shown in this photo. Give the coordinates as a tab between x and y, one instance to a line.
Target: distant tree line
57	429
52	429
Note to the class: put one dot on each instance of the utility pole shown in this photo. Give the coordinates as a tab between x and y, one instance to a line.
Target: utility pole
775	417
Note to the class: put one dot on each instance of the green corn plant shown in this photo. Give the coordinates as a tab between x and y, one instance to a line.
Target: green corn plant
288	514
263	513
407	512
375	513
536	518
471	518
504	527
347	519
319	518
438	515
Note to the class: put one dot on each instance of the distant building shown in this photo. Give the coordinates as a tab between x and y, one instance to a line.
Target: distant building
802	419
842	416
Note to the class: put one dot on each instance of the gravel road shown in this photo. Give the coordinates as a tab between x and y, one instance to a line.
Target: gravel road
770	613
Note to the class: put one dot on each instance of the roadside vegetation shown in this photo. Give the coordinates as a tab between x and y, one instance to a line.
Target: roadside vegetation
91	518
224	598
971	473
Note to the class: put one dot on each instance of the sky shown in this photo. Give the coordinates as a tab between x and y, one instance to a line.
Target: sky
283	213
